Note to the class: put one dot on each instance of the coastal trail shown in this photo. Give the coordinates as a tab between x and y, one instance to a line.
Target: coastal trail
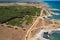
35	23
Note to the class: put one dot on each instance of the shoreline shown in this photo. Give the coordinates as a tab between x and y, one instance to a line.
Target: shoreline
40	34
47	28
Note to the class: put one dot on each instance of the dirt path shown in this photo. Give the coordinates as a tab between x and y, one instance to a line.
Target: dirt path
35	23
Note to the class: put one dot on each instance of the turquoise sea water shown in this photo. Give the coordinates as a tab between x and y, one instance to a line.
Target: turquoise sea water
52	4
55	36
55	5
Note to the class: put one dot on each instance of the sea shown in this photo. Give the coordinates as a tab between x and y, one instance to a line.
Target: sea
56	6
52	4
55	36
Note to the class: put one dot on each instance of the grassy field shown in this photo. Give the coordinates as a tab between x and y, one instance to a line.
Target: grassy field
7	12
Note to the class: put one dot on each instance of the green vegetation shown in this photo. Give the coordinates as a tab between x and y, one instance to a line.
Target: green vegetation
7	12
28	19
17	22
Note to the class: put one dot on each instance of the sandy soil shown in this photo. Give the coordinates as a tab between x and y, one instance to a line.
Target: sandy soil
23	4
7	33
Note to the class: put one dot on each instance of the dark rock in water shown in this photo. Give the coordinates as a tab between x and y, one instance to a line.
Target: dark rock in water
45	32
45	35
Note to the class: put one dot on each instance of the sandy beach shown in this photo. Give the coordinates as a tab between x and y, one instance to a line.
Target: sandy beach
35	30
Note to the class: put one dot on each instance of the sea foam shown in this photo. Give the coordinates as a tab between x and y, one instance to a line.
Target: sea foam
55	9
40	33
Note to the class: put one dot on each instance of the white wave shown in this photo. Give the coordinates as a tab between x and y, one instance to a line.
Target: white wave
54	13
40	35
55	9
46	16
50	15
57	14
56	29
41	32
